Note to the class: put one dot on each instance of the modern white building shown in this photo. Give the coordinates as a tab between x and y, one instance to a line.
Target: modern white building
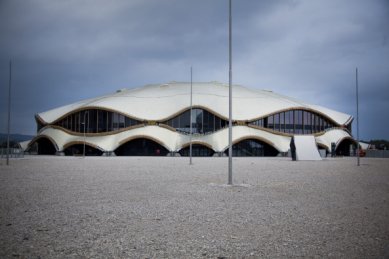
155	120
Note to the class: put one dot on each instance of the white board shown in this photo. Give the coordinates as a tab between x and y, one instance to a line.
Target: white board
306	148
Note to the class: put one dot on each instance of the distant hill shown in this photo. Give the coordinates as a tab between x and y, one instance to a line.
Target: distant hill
15	137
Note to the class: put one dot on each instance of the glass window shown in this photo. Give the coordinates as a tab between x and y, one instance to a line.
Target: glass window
317	123
287	122
199	121
121	121
102	121
185	120
307	122
300	122
277	121
206	126
115	121
217	123
259	122
270	122
176	122
282	122
312	122
202	121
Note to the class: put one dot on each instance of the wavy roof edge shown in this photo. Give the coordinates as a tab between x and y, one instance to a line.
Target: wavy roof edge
160	101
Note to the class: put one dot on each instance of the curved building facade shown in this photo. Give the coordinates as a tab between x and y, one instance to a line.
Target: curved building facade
154	120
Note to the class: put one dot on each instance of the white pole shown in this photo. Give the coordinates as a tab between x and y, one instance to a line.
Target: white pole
9	109
190	133
356	81
230	101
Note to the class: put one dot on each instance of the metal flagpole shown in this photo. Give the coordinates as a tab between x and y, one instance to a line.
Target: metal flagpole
190	141
9	109
356	82
230	102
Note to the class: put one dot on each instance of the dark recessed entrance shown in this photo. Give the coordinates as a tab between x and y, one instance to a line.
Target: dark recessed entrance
78	150
141	147
43	146
197	150
252	147
345	147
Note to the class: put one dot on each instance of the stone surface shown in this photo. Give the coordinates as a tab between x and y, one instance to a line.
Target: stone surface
139	207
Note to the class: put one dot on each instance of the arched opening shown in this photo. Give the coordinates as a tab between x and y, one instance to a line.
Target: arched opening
322	149
252	147
42	146
197	150
346	147
141	147
78	150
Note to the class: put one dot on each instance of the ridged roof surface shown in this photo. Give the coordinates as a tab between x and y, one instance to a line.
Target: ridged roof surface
161	101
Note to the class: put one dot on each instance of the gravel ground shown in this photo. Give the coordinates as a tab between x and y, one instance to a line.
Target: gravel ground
139	207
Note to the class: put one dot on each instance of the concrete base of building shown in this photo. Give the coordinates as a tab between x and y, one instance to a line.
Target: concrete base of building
108	153
173	154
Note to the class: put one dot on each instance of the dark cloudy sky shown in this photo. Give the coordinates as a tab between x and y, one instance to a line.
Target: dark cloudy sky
65	51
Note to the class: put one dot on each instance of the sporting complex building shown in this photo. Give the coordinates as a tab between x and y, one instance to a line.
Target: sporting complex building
154	120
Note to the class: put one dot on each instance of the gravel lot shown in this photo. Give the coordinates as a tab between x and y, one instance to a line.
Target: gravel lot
139	207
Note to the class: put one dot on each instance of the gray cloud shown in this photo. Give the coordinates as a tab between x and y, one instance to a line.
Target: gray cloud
64	51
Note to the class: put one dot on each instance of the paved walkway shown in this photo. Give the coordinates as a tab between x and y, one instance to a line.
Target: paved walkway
138	207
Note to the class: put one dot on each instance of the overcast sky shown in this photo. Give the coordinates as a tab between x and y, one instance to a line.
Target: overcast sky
65	51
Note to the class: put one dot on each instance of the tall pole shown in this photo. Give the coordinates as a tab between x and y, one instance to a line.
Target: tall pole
356	82
230	100
9	109
190	141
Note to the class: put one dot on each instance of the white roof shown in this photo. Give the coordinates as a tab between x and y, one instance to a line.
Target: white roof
160	101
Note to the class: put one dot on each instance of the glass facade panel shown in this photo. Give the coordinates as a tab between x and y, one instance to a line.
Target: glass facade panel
206	125
259	123
277	122
223	123
307	122
288	122
270	122
202	122
298	120
96	121
115	121
282	121
321	124
199	121
317	124
295	122
92	121
101	118
217	123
